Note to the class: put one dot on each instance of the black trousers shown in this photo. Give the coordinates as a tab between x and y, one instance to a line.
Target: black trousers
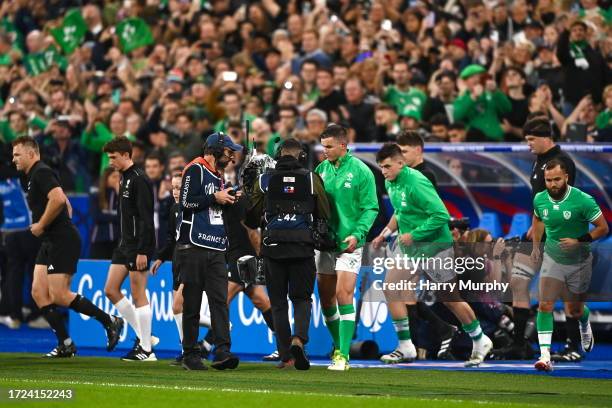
294	277
21	249
203	270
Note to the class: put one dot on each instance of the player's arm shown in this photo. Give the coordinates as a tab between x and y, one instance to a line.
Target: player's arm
254	237
368	207
255	211
538	231
144	205
425	195
601	228
191	185
55	204
386	232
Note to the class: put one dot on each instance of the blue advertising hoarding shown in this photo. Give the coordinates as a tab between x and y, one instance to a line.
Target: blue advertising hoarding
249	332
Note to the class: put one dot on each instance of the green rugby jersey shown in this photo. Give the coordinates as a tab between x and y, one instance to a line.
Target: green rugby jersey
400	99
420	212
351	190
568	217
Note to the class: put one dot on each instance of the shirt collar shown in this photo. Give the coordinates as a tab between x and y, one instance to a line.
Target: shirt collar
401	176
567	193
343	159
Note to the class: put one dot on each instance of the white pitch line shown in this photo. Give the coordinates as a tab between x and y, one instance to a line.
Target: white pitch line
255	391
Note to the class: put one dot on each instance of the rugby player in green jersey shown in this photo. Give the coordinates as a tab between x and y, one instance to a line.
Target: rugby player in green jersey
564	213
423	219
351	189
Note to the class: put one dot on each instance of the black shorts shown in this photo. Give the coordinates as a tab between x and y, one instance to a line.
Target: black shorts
126	256
60	252
232	271
176	276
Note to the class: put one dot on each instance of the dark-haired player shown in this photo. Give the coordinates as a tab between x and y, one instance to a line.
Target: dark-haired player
565	213
136	246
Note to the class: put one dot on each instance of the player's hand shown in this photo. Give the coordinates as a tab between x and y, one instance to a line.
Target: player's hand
568	243
378	241
224	197
156	266
406	239
141	262
535	255
37	229
352	244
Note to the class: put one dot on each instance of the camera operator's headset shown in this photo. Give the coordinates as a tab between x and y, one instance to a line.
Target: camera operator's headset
217	148
302	157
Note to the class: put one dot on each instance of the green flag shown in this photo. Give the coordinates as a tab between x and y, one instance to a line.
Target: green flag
40	62
133	33
72	31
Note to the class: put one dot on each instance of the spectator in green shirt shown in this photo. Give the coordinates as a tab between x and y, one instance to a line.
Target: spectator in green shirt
97	134
603	122
401	94
481	105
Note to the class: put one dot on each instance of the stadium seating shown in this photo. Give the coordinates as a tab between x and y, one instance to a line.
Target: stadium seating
520	225
490	222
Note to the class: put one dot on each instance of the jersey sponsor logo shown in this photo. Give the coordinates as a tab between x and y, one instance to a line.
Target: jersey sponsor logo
545	212
404	204
567	215
288	179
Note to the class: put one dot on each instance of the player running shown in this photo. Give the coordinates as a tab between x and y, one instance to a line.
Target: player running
423	219
564	213
350	186
59	252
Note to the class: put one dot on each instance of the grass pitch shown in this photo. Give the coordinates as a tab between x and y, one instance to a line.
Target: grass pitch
106	382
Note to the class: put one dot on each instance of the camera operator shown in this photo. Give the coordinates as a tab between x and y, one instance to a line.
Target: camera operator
292	198
201	247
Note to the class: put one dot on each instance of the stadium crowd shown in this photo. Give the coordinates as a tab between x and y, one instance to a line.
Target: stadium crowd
167	73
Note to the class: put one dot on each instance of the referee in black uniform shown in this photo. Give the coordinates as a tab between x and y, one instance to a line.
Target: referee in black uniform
136	246
59	252
539	136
